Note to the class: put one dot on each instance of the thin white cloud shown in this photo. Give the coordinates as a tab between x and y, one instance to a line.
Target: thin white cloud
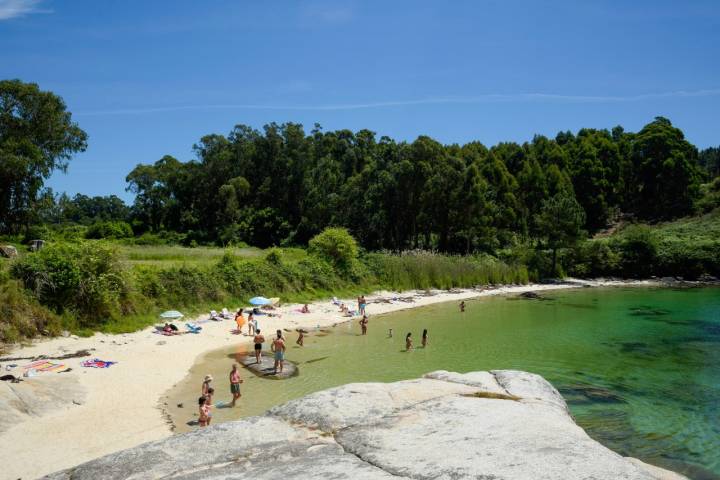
467	100
19	8
326	13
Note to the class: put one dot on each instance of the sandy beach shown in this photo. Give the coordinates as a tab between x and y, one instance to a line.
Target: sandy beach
122	408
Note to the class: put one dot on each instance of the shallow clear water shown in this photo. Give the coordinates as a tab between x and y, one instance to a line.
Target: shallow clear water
640	368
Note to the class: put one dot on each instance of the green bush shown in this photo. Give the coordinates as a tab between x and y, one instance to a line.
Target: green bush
594	258
100	230
21	316
638	249
85	278
710	197
338	247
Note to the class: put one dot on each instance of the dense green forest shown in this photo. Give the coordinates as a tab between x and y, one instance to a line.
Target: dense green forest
595	202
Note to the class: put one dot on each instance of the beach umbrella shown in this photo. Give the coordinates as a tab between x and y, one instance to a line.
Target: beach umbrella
259	301
171	314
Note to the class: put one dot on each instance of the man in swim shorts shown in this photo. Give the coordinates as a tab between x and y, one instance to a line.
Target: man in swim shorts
278	347
259	340
235	382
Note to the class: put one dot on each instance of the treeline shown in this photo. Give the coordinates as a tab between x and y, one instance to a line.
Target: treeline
282	186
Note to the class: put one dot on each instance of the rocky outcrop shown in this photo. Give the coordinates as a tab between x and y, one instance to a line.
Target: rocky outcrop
480	425
37	396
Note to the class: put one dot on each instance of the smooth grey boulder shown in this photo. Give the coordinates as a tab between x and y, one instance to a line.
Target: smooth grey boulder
38	396
499	425
266	367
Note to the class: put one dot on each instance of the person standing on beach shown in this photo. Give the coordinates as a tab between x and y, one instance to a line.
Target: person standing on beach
362	305
364	324
258	340
239	320
235	382
462	306
251	324
206	385
278	348
408	341
425	338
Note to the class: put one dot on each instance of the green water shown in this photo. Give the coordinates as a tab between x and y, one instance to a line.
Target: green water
640	368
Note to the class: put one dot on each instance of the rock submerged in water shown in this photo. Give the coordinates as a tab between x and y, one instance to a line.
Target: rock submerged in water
493	425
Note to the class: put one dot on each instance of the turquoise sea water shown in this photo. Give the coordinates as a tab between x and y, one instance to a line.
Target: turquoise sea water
639	368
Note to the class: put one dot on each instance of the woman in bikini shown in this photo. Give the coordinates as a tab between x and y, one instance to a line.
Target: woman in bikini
204	412
364	324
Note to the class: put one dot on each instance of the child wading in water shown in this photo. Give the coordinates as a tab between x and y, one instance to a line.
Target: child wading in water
364	324
301	338
235	382
462	306
408	341
425	338
204	410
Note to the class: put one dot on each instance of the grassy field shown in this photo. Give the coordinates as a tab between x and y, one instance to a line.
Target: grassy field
702	228
175	255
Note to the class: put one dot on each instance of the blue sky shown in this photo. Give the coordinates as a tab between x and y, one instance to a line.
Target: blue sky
146	79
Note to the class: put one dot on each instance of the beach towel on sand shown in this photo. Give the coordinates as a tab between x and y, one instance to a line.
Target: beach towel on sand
192	328
97	363
44	366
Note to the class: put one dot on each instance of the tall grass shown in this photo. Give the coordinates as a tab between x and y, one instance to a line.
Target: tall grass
423	270
87	286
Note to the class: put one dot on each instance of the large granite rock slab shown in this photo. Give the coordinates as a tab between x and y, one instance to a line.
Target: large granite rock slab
481	425
38	396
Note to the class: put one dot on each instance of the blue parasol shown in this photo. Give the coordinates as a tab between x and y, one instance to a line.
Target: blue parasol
260	301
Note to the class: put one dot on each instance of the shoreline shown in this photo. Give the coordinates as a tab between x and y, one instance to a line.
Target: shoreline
123	407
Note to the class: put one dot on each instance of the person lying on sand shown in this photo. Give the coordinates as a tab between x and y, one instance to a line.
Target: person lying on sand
305	309
258	340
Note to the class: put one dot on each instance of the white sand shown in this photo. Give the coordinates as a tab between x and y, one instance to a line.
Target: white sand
122	408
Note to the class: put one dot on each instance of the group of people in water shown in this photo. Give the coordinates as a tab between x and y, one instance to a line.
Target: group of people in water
278	347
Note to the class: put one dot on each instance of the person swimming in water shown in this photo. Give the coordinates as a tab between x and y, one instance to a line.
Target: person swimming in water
408	342
425	338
